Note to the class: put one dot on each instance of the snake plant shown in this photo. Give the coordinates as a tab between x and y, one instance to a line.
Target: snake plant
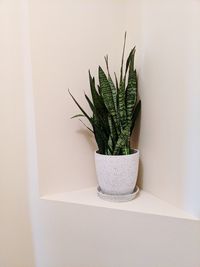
115	107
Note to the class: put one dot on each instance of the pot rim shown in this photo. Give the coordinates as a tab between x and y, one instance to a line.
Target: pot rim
135	152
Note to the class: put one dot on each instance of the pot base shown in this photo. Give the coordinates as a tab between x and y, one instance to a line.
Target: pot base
118	198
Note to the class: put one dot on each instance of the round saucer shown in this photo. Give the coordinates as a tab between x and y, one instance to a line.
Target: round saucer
118	198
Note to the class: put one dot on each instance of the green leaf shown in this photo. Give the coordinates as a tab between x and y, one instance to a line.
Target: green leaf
101	138
114	106
89	102
86	115
110	144
78	115
112	86
130	57
106	92
113	130
135	115
121	104
116	82
95	96
98	107
122	140
122	62
113	133
100	141
131	91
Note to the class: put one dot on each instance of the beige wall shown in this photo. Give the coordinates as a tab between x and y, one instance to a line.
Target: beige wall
65	157
15	228
68	38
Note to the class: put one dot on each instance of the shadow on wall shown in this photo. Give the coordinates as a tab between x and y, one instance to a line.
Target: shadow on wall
89	137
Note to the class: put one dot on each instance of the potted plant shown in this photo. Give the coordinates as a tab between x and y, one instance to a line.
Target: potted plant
115	108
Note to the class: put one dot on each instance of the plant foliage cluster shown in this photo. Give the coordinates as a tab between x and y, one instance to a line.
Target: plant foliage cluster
115	107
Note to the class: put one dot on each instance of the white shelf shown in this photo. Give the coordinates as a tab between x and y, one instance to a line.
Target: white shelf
144	203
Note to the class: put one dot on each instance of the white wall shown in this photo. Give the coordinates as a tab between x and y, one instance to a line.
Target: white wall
169	83
73	235
16	248
192	173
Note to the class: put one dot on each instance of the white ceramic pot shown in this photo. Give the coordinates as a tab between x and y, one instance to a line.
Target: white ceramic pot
117	175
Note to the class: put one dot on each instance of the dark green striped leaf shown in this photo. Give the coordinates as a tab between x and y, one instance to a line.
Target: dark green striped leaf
135	115
121	104
89	102
122	62
122	140
112	86
131	91
114	107
106	92
130	57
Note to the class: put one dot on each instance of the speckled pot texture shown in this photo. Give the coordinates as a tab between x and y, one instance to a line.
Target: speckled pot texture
117	175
